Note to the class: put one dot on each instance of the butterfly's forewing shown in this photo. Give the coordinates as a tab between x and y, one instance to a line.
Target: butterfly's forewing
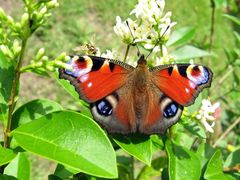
94	77
182	82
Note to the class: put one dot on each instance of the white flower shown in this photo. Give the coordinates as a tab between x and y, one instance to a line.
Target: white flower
109	54
150	30
206	114
149	10
165	57
122	29
166	25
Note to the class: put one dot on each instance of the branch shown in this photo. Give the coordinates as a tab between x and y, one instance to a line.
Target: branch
126	53
212	25
226	132
13	94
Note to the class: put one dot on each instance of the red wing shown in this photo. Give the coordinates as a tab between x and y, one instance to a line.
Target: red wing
182	82
95	77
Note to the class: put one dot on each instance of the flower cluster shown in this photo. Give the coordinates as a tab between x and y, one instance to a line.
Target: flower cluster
208	114
151	26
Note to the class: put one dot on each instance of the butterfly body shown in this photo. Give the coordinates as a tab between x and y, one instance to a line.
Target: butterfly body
124	99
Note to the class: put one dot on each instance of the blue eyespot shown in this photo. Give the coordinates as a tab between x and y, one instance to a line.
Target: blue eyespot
104	107
170	110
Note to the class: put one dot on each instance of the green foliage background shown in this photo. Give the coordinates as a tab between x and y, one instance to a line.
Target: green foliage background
78	22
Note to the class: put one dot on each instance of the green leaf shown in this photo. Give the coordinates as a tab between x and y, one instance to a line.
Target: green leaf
6	81
33	110
181	36
19	167
72	140
6	177
194	128
157	142
147	172
53	177
189	52
124	173
6	155
70	89
214	170
62	172
205	152
196	106
183	163
139	146
40	71
237	62
181	137
233	159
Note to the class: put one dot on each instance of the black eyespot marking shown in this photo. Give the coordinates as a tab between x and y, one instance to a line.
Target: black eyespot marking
195	68
183	70
111	66
170	69
97	65
81	59
104	107
170	110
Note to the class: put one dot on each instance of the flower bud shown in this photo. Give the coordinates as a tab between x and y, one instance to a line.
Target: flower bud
10	21
39	55
62	57
59	64
26	2
24	20
6	51
2	14
50	67
18	27
52	4
44	59
16	48
47	15
43	11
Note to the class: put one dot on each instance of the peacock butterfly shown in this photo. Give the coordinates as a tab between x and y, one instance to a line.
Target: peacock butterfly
124	99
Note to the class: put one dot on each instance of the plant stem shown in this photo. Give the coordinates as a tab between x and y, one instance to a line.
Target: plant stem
226	132
230	70
126	53
212	25
211	35
13	94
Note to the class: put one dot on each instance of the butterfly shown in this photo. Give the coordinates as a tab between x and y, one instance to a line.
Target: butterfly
124	99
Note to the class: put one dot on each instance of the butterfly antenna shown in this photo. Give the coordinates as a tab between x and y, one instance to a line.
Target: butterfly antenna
158	41
138	53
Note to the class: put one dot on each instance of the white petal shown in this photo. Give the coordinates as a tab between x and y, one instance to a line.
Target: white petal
207	126
216	105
